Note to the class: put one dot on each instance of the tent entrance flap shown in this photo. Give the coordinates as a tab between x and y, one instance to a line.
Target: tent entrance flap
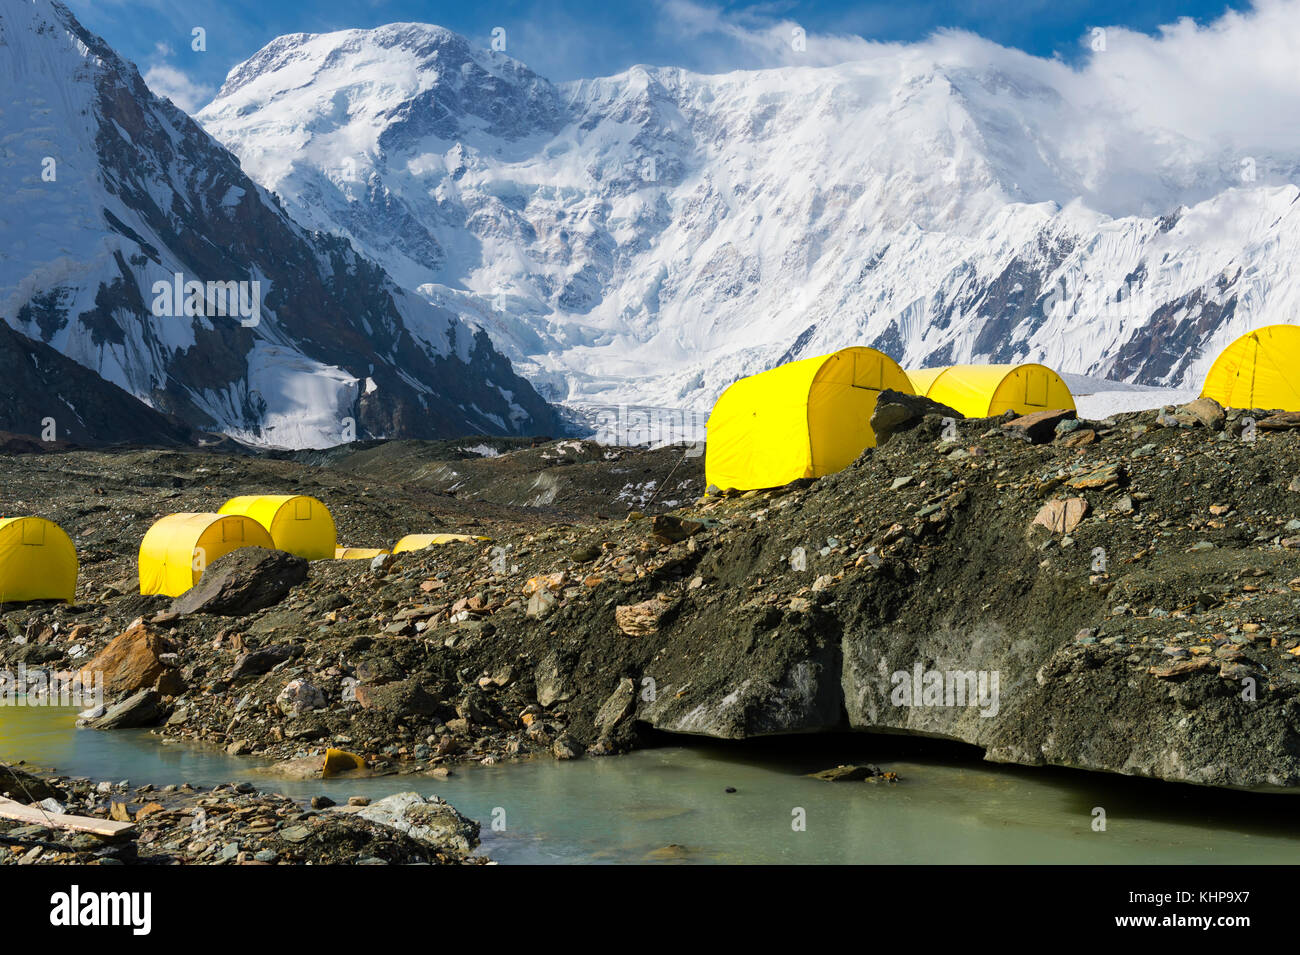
37	561
1035	387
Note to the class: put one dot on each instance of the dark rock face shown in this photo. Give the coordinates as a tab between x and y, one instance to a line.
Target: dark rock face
243	581
896	412
39	383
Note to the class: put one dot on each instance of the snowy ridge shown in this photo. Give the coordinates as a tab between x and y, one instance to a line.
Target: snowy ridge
112	191
647	238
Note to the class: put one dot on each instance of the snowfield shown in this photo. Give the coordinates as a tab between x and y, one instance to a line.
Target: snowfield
647	238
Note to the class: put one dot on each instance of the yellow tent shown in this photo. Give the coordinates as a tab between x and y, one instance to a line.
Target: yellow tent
421	541
923	378
1257	371
298	524
179	547
358	553
804	419
983	391
37	561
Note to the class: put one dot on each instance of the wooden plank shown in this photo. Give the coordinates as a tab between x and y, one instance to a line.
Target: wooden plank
56	820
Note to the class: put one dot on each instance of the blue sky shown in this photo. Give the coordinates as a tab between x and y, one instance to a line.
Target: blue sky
569	39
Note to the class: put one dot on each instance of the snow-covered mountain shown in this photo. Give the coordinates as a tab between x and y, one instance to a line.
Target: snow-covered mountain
649	237
114	202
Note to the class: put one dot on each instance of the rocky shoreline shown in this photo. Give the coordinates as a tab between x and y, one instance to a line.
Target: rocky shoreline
1117	596
232	824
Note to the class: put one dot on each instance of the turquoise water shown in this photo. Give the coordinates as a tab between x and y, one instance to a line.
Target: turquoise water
670	804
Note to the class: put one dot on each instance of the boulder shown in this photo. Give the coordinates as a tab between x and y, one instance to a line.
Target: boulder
23	787
378	670
848	773
1283	421
566	747
243	581
299	697
1107	477
431	821
553	682
896	412
134	660
639	620
1207	411
1039	427
398	698
617	707
668	529
1078	438
143	708
256	662
541	604
1063	515
475	708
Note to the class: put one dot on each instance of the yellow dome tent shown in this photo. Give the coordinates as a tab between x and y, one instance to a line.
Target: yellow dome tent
983	391
358	553
421	541
298	524
37	561
179	547
1257	371
804	419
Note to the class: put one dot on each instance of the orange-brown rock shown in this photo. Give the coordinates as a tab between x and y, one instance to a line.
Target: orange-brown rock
1062	516
133	661
639	620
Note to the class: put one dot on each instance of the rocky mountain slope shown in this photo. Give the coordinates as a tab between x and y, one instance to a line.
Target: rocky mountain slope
651	236
46	395
115	200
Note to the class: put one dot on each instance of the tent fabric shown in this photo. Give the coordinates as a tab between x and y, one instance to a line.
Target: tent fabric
420	541
984	391
37	561
177	548
358	553
923	378
298	524
1257	371
807	418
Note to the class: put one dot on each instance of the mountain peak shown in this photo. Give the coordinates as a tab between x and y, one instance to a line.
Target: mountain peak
136	246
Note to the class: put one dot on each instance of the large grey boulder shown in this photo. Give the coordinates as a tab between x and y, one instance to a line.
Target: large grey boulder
243	581
139	709
431	821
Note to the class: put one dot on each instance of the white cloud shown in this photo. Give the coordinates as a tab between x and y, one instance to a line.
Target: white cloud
1234	82
761	40
168	81
1188	105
